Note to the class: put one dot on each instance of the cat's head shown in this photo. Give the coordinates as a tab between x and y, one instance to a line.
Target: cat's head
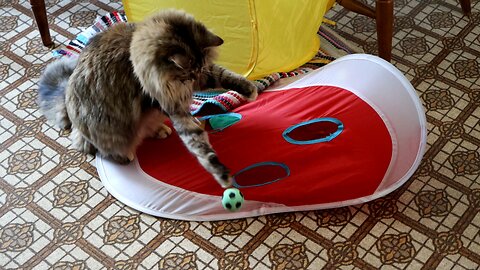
185	46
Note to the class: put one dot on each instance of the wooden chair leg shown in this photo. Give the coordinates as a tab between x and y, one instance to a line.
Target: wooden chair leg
384	19
383	14
40	14
466	6
357	7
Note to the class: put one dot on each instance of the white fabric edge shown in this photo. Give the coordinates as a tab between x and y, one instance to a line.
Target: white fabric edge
413	96
113	180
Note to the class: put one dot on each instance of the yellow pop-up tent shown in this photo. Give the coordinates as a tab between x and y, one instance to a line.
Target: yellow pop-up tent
261	36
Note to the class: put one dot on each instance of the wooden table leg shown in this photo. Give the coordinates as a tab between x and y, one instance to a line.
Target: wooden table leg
40	13
466	6
384	19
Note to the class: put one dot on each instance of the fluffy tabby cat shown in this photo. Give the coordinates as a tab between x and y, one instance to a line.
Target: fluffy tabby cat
129	78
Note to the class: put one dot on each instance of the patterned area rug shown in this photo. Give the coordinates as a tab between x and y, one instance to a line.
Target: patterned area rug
54	213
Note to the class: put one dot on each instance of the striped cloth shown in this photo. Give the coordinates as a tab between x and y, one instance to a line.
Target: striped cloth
75	46
215	100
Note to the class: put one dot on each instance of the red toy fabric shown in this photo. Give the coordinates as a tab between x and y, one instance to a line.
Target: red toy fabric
350	163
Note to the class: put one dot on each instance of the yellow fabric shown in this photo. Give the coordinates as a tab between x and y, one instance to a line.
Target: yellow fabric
327	21
330	4
261	36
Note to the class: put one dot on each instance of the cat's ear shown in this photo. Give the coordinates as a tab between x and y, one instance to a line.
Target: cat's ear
213	40
180	61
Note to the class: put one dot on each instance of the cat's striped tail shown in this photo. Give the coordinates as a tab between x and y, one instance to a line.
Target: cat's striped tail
51	91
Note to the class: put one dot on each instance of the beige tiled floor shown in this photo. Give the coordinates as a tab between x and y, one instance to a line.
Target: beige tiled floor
55	213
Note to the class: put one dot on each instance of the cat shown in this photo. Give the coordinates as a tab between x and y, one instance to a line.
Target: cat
133	76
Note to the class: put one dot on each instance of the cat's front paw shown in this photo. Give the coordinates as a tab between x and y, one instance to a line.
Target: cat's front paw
122	160
250	91
225	181
163	131
220	172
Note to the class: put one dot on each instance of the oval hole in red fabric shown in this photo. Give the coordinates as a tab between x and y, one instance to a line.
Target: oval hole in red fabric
260	174
314	131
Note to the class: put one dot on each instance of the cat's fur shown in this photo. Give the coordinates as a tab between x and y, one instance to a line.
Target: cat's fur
129	78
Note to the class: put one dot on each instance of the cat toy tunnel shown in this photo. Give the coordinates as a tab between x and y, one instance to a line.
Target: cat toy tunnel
345	134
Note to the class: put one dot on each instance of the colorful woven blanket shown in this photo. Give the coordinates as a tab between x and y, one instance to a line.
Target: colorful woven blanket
222	100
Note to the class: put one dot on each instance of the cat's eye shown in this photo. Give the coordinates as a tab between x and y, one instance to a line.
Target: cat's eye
180	60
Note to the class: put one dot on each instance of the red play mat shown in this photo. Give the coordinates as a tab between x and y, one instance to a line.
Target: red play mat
348	166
